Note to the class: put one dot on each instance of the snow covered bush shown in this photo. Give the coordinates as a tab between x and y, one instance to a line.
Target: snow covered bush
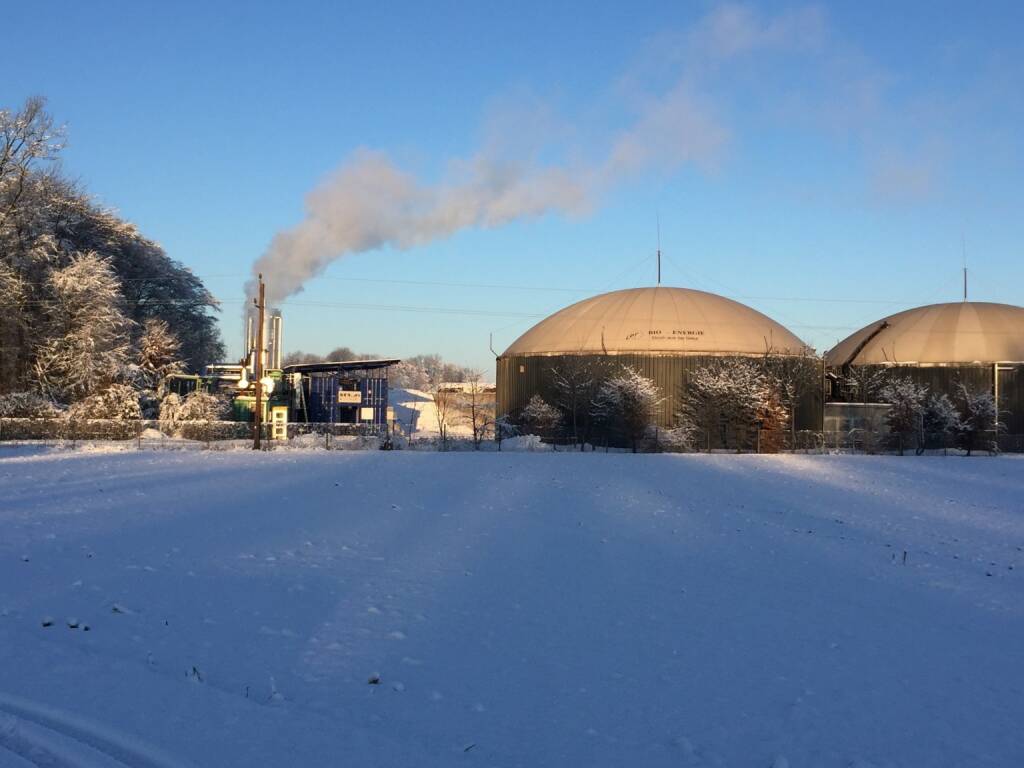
625	407
170	406
980	417
539	418
202	406
119	402
188	416
906	399
732	403
504	429
941	420
27	405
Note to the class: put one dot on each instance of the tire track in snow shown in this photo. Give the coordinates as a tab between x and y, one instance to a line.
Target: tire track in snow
108	742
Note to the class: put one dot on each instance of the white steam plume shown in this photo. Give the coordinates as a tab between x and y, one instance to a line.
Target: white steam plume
369	202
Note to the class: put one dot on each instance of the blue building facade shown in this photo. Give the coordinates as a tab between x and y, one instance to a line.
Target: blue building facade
348	392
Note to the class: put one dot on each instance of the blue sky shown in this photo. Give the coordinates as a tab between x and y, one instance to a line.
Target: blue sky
822	163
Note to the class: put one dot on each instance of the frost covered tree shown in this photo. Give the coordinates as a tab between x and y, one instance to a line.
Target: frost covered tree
159	354
574	383
539	418
795	376
87	346
28	138
863	383
732	402
980	417
504	428
47	223
941	420
906	399
625	406
477	408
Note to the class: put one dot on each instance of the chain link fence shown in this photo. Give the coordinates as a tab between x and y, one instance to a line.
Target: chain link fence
155	434
227	435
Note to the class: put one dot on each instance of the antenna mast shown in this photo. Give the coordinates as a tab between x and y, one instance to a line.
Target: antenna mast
658	219
963	247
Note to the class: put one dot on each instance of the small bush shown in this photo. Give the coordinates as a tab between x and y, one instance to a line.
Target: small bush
27	405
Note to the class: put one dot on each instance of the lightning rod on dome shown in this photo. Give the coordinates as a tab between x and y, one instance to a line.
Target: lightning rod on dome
963	248
657	217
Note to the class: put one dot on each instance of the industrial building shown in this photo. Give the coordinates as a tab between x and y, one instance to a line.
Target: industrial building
664	333
977	344
337	392
343	392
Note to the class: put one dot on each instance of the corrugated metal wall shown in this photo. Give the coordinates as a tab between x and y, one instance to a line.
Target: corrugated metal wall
520	378
321	394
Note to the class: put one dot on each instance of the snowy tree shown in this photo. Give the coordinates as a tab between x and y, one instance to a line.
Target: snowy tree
159	354
408	375
539	418
625	406
87	346
28	138
733	402
477	408
863	383
46	223
795	375
118	401
175	411
906	399
941	419
27	405
575	381
504	428
979	417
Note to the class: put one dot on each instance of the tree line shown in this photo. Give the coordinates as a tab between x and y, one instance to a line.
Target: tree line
94	314
739	403
730	402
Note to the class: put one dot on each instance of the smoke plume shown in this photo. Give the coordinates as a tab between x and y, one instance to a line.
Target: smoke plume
369	202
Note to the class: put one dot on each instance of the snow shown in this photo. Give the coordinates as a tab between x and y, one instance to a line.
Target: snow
515	609
415	412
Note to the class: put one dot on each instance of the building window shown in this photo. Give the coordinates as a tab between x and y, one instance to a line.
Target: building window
522	369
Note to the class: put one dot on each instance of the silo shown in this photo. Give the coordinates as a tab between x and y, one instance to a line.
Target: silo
663	332
974	343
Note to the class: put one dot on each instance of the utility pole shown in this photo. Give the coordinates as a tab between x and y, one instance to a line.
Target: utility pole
261	306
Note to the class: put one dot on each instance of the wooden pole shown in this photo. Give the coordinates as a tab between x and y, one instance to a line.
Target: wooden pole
258	369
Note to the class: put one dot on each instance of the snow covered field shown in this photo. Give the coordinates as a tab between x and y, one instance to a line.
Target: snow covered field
515	610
